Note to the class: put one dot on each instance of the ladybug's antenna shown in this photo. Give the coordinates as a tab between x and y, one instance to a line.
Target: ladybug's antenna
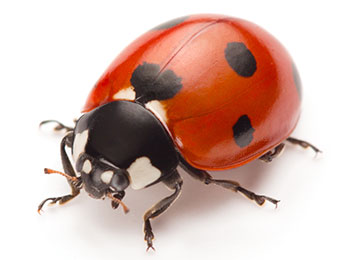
70	178
118	201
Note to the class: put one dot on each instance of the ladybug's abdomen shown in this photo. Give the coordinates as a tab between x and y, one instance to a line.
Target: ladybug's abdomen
216	97
234	94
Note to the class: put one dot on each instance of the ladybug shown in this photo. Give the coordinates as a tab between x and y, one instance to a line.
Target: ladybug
206	92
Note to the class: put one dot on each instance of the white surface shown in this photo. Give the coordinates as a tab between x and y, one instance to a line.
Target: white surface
51	54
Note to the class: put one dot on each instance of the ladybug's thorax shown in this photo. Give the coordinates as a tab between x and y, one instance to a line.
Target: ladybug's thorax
121	143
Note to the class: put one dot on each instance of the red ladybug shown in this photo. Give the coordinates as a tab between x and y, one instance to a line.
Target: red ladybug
206	92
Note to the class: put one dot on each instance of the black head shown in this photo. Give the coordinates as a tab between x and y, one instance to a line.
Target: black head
99	177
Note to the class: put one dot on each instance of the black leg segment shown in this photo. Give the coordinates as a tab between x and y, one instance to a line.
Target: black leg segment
270	155
303	144
75	183
174	182
206	178
59	126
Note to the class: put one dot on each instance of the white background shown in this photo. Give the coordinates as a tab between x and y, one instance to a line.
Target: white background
51	54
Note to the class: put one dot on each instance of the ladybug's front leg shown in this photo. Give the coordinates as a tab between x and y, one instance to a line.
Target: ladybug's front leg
206	178
69	173
174	182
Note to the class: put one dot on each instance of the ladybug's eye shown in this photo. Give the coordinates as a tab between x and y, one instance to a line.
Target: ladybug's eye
119	180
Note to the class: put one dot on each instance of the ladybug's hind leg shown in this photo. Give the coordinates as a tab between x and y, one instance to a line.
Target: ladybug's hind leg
303	144
173	182
270	155
206	178
74	182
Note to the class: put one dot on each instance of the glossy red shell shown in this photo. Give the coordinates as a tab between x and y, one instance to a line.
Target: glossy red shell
200	117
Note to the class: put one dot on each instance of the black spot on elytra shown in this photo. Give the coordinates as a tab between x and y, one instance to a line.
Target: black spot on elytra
150	83
243	131
297	80
240	59
170	24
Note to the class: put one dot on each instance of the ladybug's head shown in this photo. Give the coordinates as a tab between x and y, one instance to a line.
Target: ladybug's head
99	177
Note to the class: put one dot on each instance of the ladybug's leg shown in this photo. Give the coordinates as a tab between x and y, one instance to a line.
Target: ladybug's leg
173	182
69	173
304	144
270	155
206	178
59	126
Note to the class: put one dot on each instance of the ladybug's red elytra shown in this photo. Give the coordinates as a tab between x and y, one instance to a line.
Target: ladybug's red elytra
206	92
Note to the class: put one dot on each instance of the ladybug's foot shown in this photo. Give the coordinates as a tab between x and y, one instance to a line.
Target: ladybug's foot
259	199
148	235
75	184
61	200
303	144
235	186
58	127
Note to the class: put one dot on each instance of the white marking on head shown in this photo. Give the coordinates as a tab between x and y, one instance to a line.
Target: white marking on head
157	109
142	173
79	144
106	176
127	94
87	167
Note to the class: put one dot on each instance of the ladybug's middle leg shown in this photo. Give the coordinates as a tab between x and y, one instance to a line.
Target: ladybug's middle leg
206	178
69	173
174	182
